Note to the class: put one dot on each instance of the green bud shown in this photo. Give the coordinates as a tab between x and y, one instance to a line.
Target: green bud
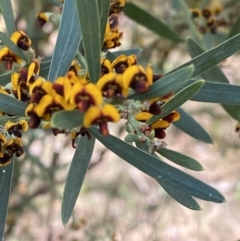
131	138
151	135
128	127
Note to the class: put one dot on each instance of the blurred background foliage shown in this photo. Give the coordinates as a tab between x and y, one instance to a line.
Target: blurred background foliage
135	208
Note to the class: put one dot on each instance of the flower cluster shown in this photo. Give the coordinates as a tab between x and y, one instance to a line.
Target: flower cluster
10	140
107	100
209	19
20	39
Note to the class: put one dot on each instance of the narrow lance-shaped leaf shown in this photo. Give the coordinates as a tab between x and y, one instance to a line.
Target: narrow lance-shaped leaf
149	21
14	48
235	28
188	17
167	84
213	92
76	174
177	100
91	34
11	105
214	56
181	159
183	198
5	78
67	41
113	55
103	6
7	12
67	119
154	167
214	74
5	188
188	125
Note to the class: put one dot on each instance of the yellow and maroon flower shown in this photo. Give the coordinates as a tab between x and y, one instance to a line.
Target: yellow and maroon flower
106	66
9	148
100	116
43	18
112	37
63	87
137	78
116	6
160	125
9	57
122	62
21	40
15	128
40	88
50	104
111	85
85	96
75	67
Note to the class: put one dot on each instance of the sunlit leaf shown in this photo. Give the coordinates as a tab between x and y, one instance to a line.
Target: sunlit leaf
181	159
7	12
213	92
76	174
177	100
214	56
14	48
149	21
166	85
154	167
103	6
183	198
113	55
235	29
214	74
67	41
5	188
67	119
11	105
90	25
188	125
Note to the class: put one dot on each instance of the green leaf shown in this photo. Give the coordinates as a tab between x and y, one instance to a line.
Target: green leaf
91	34
44	68
214	92
184	199
67	119
154	167
7	12
177	100
212	74
181	159
14	48
166	85
103	6
149	21
188	125
11	105
67	41
187	14
235	28
113	55
5	188
76	174
5	78
214	56
6	118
